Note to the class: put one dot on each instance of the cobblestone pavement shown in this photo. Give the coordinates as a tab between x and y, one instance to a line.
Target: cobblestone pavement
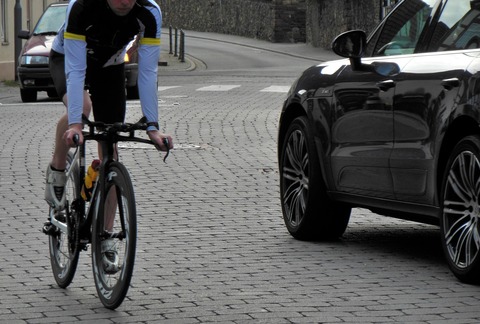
212	246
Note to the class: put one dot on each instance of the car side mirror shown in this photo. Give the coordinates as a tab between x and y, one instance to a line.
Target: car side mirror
23	34
350	44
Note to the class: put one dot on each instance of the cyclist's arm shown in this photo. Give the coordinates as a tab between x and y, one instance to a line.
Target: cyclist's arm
148	56
75	67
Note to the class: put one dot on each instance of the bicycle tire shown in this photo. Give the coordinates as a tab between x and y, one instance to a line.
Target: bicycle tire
112	287
63	247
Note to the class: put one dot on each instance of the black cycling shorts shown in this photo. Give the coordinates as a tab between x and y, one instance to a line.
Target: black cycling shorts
106	86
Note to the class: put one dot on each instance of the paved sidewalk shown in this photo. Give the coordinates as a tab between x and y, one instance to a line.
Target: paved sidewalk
299	50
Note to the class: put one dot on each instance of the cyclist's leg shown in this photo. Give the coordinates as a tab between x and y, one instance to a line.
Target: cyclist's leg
61	149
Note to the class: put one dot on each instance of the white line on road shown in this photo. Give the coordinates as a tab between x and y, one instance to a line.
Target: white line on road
273	88
218	88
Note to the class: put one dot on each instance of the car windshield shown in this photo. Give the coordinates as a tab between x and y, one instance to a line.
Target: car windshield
51	20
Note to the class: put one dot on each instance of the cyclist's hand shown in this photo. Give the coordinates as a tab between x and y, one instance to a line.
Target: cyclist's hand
68	137
159	140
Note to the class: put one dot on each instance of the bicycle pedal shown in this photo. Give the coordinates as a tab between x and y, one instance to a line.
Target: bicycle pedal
49	229
83	246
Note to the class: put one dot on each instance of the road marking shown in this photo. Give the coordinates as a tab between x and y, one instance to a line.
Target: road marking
218	88
226	87
273	88
167	88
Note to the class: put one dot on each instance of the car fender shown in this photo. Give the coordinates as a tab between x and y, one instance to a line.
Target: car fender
305	98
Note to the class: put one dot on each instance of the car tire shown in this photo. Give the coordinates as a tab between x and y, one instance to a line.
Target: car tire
308	212
132	92
28	95
460	213
52	93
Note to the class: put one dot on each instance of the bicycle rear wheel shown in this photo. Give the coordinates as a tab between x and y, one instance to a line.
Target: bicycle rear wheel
114	230
63	244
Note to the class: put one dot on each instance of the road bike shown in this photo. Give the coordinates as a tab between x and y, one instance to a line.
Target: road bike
107	221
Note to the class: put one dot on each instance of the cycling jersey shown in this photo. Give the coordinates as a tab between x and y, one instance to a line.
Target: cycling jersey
93	35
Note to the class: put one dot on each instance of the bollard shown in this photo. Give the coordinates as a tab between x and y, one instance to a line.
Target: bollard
182	46
176	42
171	39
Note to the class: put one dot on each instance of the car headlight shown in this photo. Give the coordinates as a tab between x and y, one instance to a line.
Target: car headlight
127	58
34	59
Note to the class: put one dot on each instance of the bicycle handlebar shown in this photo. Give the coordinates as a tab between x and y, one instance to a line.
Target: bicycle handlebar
105	130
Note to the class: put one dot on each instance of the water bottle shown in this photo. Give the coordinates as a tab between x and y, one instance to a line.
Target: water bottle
90	178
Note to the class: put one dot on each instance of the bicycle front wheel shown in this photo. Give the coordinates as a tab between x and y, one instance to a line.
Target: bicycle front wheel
63	243
114	236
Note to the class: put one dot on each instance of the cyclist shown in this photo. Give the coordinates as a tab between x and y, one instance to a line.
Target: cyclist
89	50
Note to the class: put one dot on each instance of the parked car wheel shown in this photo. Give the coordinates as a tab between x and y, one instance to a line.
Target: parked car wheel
28	95
52	93
132	92
307	211
460	226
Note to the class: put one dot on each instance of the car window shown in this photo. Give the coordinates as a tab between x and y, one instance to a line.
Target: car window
51	20
458	26
402	29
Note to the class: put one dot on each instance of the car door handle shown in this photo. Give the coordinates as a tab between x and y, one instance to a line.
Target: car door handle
385	85
449	84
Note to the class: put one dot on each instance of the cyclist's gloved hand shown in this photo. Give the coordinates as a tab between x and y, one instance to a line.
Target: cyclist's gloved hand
159	140
70	134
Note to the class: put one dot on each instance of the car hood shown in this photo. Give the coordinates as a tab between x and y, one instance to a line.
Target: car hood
38	45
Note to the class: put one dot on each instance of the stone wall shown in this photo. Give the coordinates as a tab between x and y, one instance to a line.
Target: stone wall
328	18
312	21
272	20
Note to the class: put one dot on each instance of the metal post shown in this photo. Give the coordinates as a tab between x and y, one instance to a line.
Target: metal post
171	40
182	46
176	42
18	27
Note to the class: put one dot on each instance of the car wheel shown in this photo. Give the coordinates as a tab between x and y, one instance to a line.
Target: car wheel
307	211
28	95
460	219
52	93
132	92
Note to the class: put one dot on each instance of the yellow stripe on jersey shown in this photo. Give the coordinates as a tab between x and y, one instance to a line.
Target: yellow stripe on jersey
73	36
150	41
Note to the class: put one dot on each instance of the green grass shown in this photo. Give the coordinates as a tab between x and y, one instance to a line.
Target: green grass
10	83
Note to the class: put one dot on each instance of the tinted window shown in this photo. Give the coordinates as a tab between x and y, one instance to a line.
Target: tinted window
402	30
458	26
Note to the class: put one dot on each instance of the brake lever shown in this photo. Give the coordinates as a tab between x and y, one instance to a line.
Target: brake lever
166	143
76	139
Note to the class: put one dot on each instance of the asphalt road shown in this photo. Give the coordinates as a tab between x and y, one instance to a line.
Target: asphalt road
212	246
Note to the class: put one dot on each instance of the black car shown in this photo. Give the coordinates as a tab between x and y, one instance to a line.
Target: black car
394	128
33	72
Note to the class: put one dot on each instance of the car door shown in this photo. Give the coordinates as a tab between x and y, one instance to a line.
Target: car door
426	90
362	133
363	121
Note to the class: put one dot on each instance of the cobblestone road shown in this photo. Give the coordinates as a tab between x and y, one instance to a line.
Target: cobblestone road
212	246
